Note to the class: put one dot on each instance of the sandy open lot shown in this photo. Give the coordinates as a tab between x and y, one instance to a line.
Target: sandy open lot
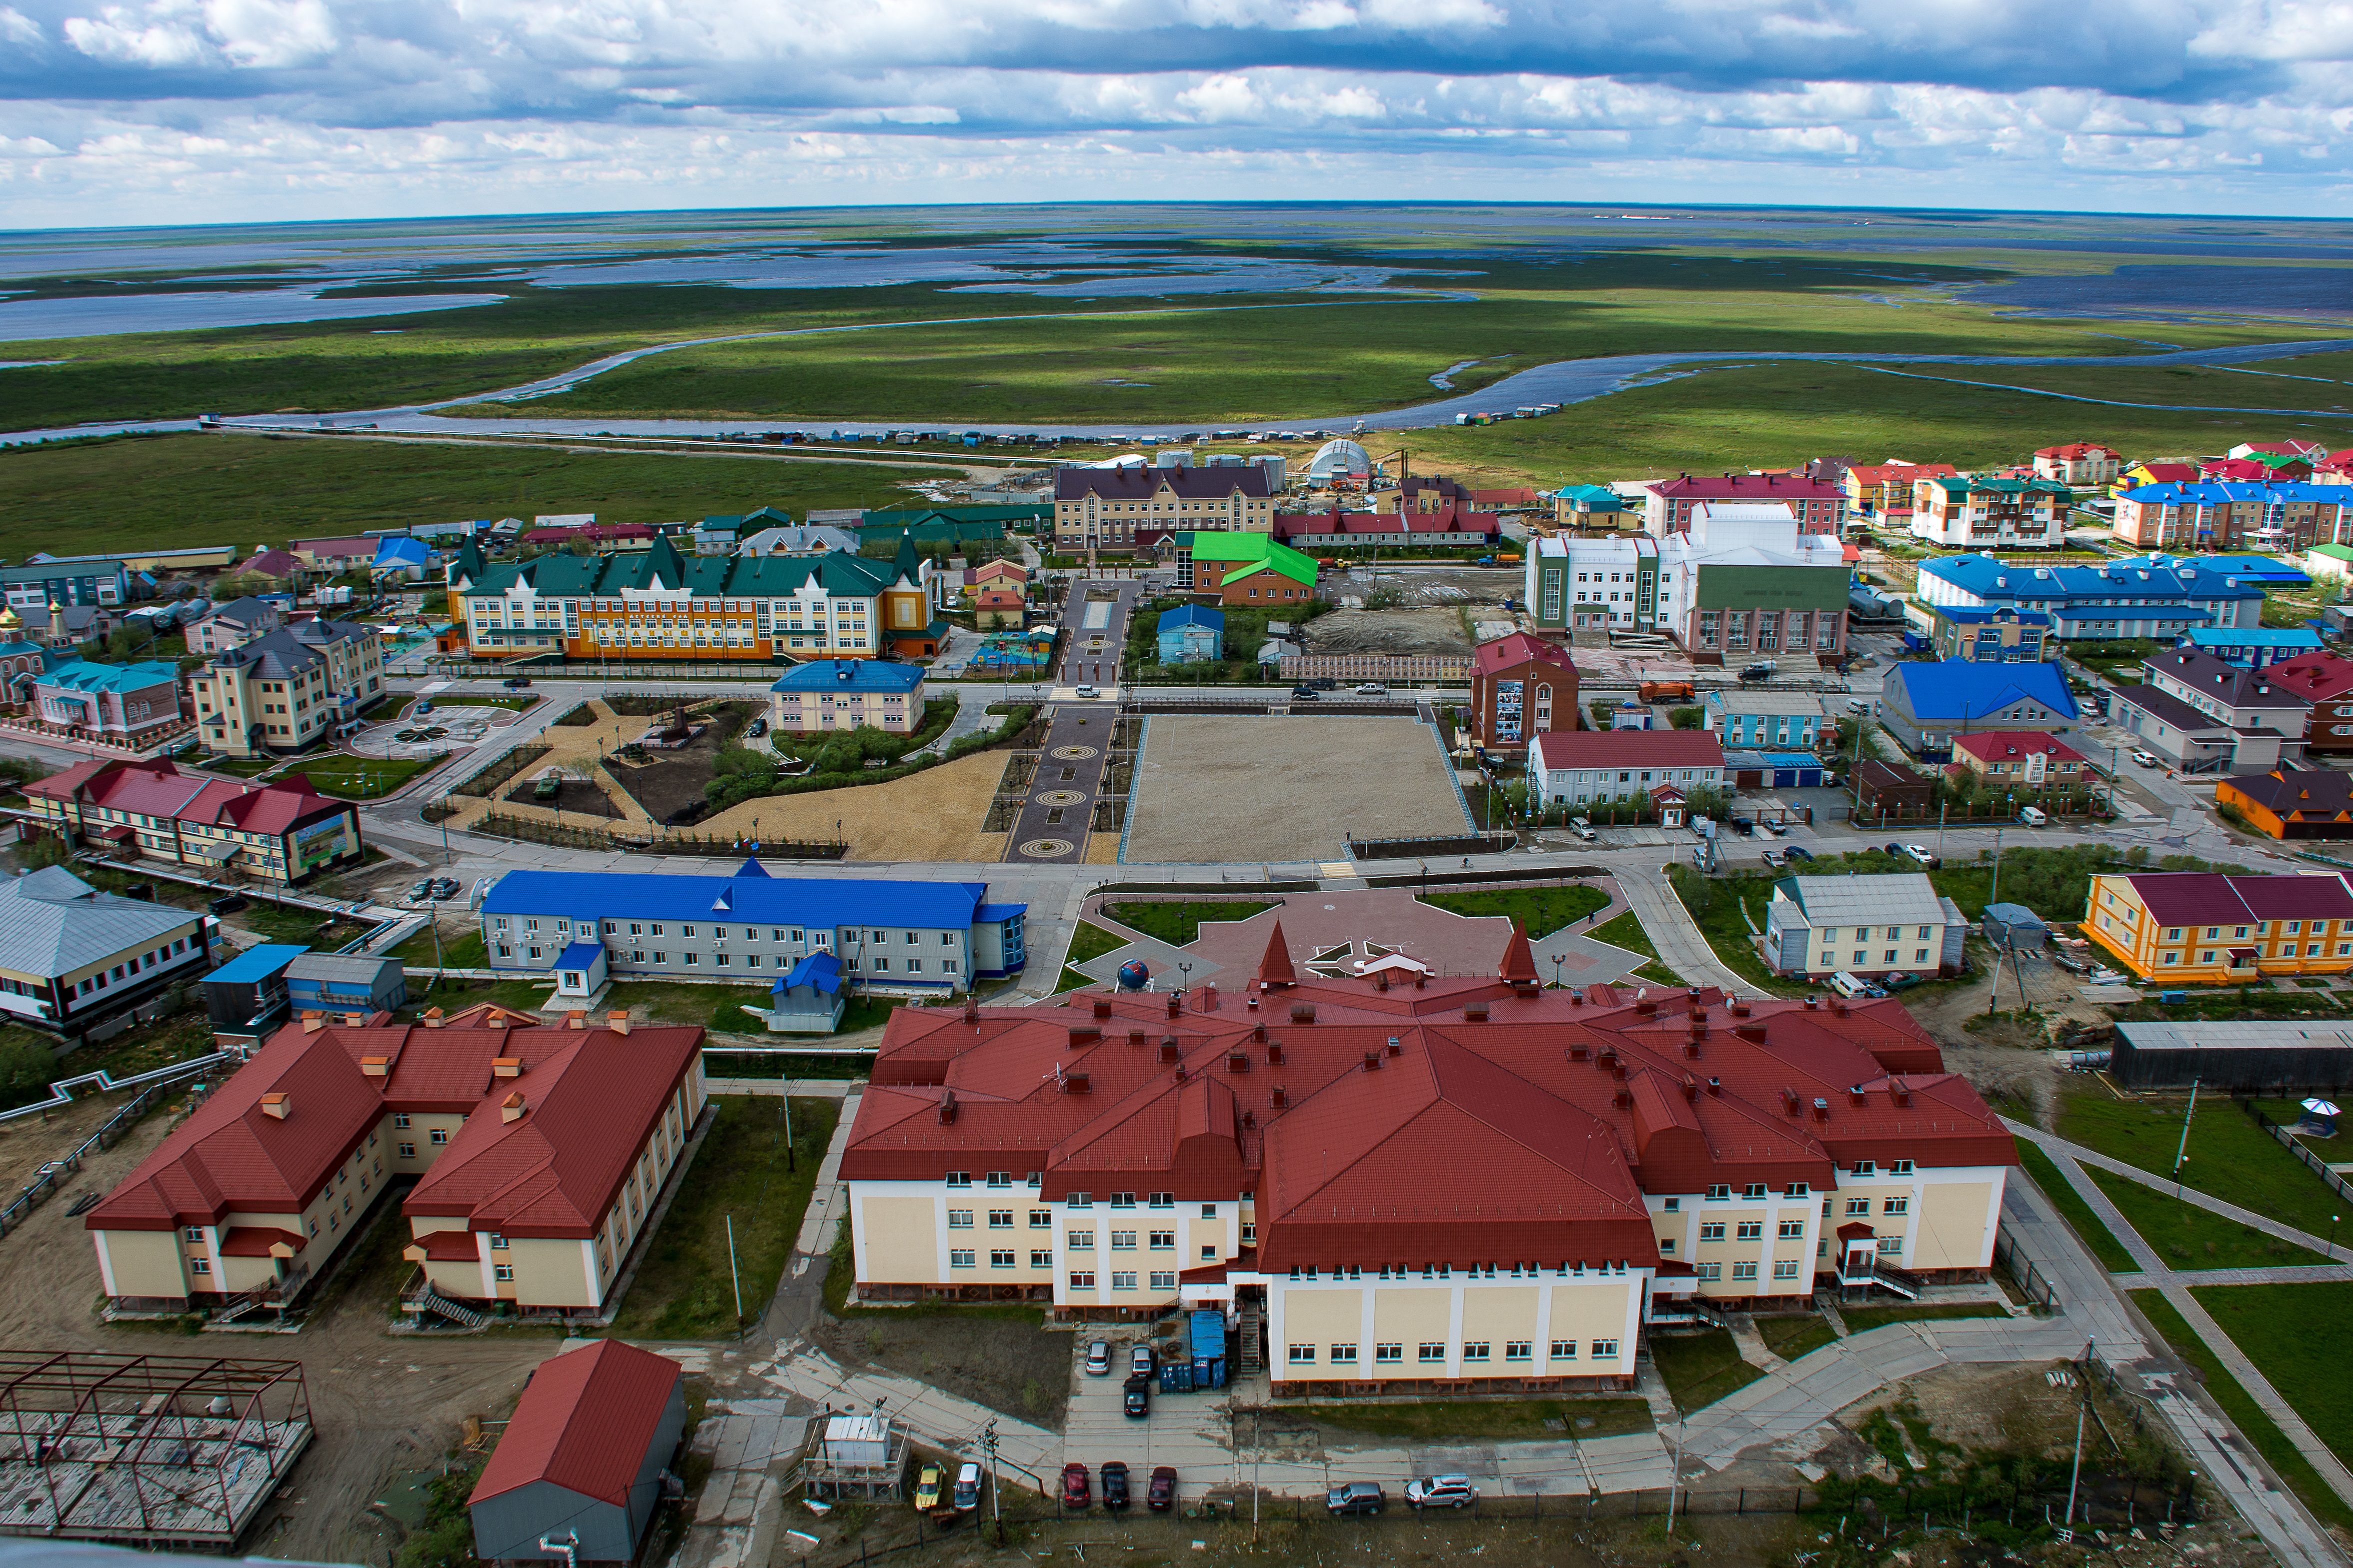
1219	788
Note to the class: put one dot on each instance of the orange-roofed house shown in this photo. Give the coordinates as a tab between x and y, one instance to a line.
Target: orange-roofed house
582	1458
538	1155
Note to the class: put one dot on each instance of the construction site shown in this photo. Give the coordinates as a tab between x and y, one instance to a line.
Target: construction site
149	1450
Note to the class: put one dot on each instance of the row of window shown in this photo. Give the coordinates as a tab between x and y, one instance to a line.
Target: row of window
1121	1280
1311	1272
129	969
1433	1352
1750	1230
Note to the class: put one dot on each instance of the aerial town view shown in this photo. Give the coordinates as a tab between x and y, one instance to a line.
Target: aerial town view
792	787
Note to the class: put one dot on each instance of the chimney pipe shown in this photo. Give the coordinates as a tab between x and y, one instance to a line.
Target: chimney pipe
511	1108
278	1106
506	1067
618	1021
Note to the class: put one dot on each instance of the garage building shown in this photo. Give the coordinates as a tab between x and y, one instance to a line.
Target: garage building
583	1463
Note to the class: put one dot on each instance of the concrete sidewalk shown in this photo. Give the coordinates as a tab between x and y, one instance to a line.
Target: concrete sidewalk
1682	946
2054	1145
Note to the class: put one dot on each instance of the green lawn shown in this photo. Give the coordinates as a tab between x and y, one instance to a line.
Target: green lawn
360	778
1715	903
1091	941
1540	911
1071	980
1861	1320
1795	1336
1180	924
2112	1254
2187	1237
161	492
2248	1416
462	947
684	1288
1523	1419
2295	1336
456	996
2230	1158
1626	932
291	923
1702	1368
715	1007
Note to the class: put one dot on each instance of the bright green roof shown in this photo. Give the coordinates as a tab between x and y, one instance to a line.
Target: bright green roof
1253	549
2334	551
714	576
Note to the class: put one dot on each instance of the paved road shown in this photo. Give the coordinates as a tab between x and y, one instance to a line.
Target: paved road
1057	819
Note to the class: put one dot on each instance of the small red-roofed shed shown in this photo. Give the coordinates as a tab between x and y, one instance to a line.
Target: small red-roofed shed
583	1460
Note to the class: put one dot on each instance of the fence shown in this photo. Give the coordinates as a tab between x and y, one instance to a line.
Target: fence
2313	1162
527	830
2031	1279
46	1181
1408	849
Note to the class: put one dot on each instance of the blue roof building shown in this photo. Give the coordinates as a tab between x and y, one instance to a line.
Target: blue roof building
895	937
2154	596
398	556
1192	634
809	1000
2254	647
845	693
1926	705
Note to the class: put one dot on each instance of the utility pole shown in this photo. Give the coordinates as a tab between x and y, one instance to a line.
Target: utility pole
1675	1478
2181	1155
1994	896
996	1488
733	1270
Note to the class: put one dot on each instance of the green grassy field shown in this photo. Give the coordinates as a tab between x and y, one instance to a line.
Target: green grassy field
1626	930
2230	1158
1539	910
1861	1320
2188	1238
2294	1335
2248	1416
1180	924
2112	1254
1702	1368
163	491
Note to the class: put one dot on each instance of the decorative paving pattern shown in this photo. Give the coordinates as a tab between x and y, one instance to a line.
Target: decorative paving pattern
1061	797
1072	753
1046	849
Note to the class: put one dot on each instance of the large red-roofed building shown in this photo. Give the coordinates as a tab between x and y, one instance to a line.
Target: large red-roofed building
1414	1182
283	831
536	1155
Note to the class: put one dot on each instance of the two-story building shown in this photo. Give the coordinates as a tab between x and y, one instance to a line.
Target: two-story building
906	938
1882	488
2079	463
1927	705
1227	567
287	689
2198	928
2324	681
1191	633
1587	768
1304	1153
1891	922
2203	714
2156	597
233	625
1754	718
280	831
72	956
2022	760
1990	635
122	704
848	694
1112	511
81	583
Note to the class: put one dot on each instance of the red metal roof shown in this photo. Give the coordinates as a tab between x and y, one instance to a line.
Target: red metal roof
1747	486
256	1240
158	788
584	1423
2206	898
448	1246
1629	749
1517	648
2079	449
2315	676
2016	745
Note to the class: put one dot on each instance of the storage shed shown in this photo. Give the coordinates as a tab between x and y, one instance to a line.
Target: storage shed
346	981
246	997
582	1462
2265	1058
2015	926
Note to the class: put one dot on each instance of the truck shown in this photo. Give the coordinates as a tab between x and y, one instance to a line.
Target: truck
1668	691
1507	559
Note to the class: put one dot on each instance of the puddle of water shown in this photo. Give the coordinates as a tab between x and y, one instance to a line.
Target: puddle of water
32	320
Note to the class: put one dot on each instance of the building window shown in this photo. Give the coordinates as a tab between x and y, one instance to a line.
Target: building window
1792	1229
1041	1219
504	1273
1712	1230
1752	1230
1000	1219
400	1119
200	1264
1785	1269
1083	1240
1896	1206
1432	1352
1743	1271
1518	1350
195	1233
498	1242
961	1258
1891	1246
963	1179
1163	1241
1858	1205
1083	1279
1303	1356
1392	1352
1474	1350
1122	1281
1001	1259
440	1135
959	1219
1040	1258
408	1151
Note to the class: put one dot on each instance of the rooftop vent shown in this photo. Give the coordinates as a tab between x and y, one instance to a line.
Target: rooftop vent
1180	1072
1474	1012
511	1108
1790	1103
1274	1053
1103	1007
1259	1032
1716	1086
1281	1097
1578	1053
1739	1009
1647	1008
1208	996
376	1066
1084	1034
1752	1031
1249	1119
947	1107
618	1021
1396	1046
1168	1051
1175	1003
1077	1083
279	1106
1856	1095
1812	1003
1135	1034
314	1022
1372	1061
435	1019
576	1019
506	1067
1302	1012
971	1008
1691	1087
1237	1061
353	1020
1821	1109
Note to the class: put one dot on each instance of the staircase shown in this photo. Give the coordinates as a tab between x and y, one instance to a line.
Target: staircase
432	1300
237	1306
1906	1285
1251	1332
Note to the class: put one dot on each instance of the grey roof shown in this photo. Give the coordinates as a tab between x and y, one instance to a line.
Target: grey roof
1886	898
2227	683
360	967
246	612
1751	699
2209	1035
290	649
52	923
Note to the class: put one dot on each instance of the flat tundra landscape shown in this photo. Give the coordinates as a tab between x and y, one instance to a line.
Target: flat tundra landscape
1217	788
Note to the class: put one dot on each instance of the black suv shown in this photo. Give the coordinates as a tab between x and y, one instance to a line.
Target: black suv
1356	1497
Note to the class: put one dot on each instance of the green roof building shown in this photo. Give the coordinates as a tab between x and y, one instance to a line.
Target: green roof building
1239	568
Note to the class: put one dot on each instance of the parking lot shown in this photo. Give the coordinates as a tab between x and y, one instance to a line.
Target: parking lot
1189	1431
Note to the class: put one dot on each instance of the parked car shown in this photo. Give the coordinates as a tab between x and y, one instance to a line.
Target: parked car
928	1487
1372	689
1099	1359
967	1486
1325	683
1583	832
445	887
1796	852
1138	1402
1773	857
517	682
1746	823
1921	853
1162	1493
422	892
757	728
1078	1487
1356	1497
2148	759
1901	980
1442	1491
1088	693
424	706
1115	1483
1775	828
229	903
1304	694
1142	1359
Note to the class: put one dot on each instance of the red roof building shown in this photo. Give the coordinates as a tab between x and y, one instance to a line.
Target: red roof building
1520	685
1819	506
2324	681
284	830
2009	757
537	1153
1885	487
1413	1160
2081	463
1336	529
582	1458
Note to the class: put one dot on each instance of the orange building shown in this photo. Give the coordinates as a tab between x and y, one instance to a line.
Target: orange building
2200	928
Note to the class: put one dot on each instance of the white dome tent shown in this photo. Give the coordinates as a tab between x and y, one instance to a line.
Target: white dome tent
1339	459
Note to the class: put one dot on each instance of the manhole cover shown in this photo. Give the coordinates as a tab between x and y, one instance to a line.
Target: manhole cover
1060	797
1072	753
1046	848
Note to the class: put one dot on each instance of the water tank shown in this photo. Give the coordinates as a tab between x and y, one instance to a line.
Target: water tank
1133	976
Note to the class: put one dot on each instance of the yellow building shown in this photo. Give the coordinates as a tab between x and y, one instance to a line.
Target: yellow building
2199	928
288	687
538	1155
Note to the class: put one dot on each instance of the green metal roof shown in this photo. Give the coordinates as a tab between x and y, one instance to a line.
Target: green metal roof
1253	549
840	572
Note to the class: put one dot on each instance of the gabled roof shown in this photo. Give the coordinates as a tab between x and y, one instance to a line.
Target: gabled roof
1747	487
584	1423
1192	615
2152	579
2016	745
80	675
2233	686
850	675
1625	749
750	576
2205	897
52	923
154	787
822	902
1256	551
1957	688
1876	898
2315	676
2315	793
248	611
1517	648
290	651
1136	483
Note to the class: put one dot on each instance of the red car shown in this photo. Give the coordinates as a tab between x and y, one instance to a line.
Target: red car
1078	1487
1162	1493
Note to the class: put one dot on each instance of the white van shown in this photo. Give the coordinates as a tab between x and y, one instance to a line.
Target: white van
1847	984
2034	815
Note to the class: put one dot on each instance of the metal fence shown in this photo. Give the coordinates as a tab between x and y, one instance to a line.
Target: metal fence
2313	1162
2031	1279
44	1181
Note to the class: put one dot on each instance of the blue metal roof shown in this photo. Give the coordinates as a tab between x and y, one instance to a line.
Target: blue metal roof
1977	614
1793	759
395	551
1193	616
256	964
821	902
2157	577
83	676
989	914
580	955
1955	688
2252	637
2262	568
821	970
850	675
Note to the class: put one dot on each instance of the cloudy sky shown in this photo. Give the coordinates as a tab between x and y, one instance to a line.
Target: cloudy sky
129	111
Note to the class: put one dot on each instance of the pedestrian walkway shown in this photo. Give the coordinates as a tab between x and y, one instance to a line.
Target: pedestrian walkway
1683	947
2054	1145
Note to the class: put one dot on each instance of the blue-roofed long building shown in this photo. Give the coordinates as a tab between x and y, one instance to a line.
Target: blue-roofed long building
2234	515
2254	647
891	938
2154	597
1926	705
845	693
